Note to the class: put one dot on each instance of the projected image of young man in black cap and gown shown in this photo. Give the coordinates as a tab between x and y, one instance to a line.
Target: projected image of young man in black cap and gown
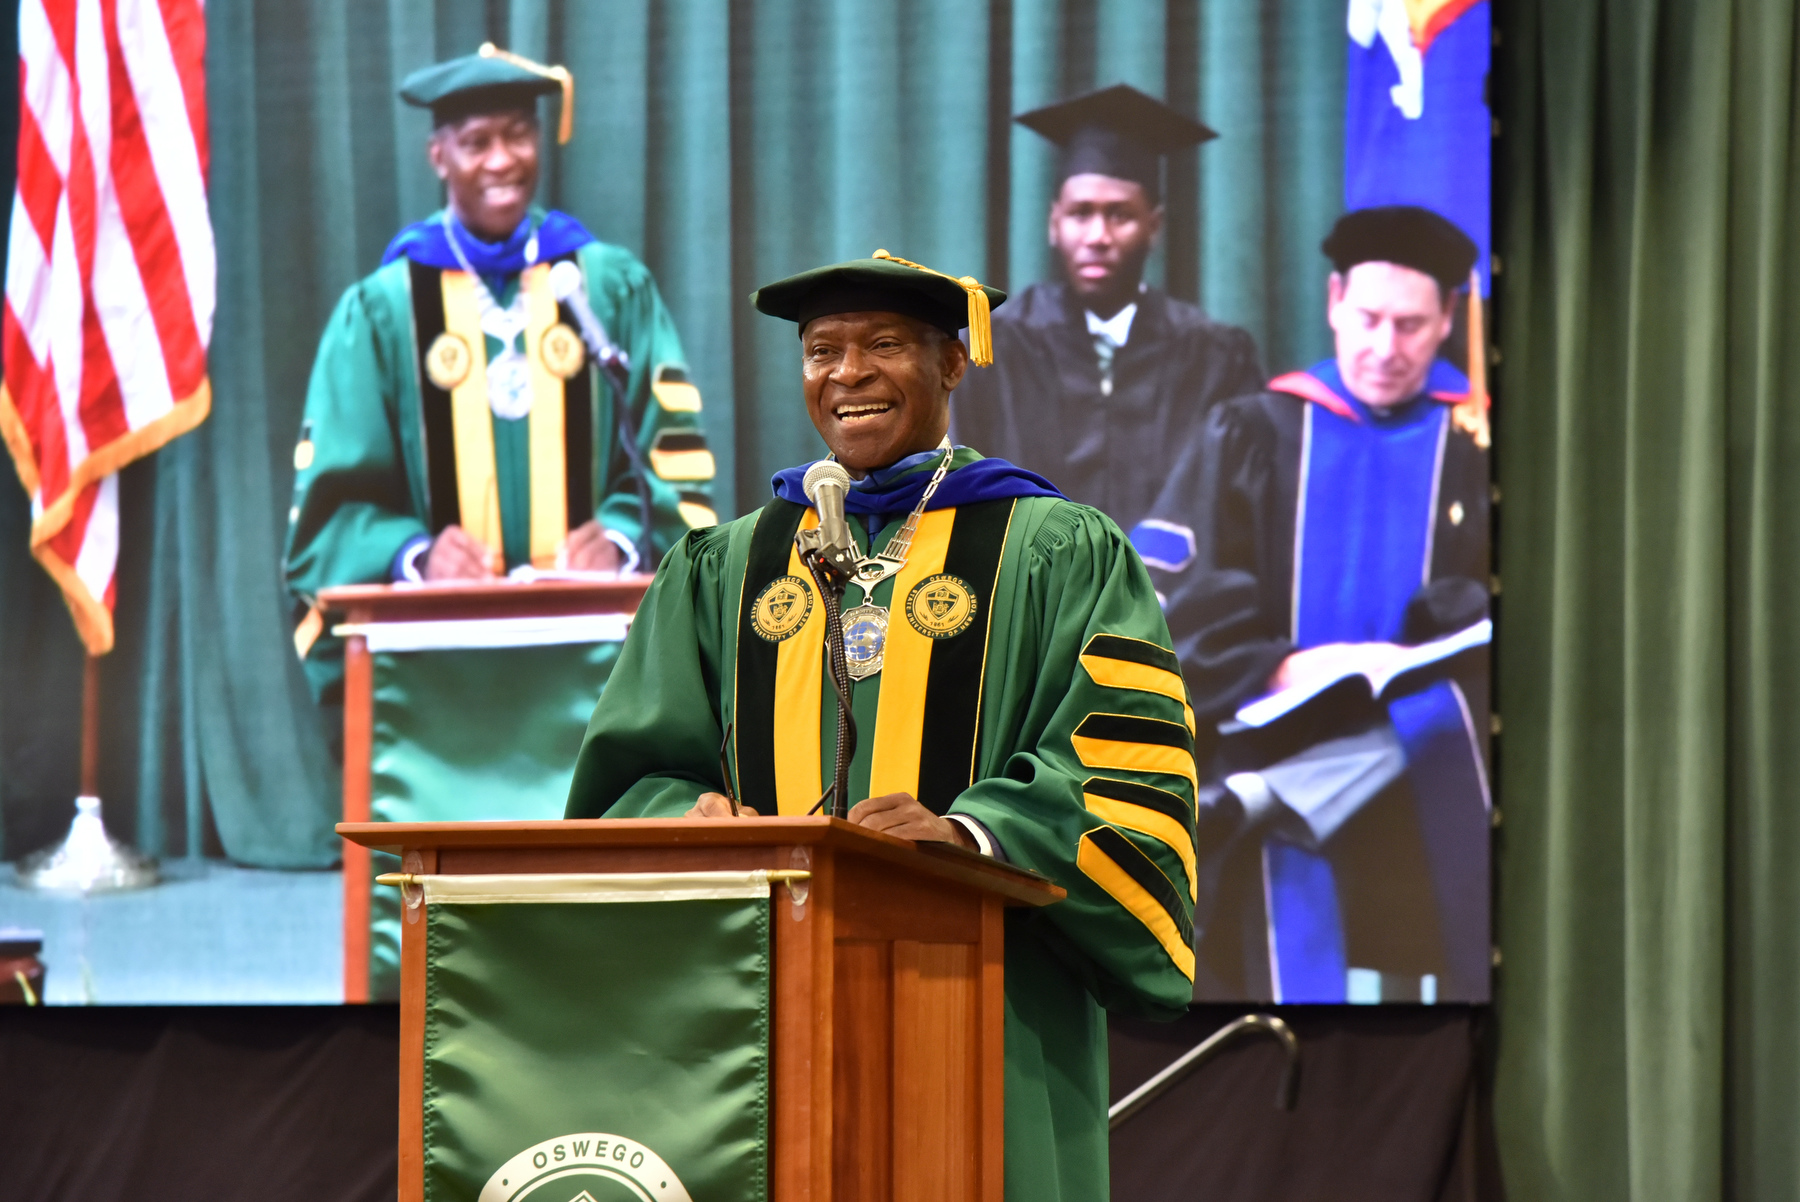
1101	380
1333	629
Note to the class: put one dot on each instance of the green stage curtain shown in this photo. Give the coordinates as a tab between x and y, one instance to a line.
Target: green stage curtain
726	142
1649	670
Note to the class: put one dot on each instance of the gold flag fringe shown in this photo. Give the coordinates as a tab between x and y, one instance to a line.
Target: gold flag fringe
1471	416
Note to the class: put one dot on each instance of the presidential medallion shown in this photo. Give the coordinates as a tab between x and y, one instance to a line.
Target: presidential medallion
561	350
447	362
865	640
781	608
509	385
941	606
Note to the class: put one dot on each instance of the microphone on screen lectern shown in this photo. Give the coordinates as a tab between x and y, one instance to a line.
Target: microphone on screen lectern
570	288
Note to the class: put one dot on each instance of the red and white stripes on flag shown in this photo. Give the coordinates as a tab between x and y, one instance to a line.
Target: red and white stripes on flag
109	271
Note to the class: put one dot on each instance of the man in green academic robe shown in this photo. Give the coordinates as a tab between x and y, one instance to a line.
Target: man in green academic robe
458	423
1022	700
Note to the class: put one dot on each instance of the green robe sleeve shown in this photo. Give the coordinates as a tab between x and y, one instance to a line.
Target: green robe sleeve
1091	783
665	408
353	505
652	746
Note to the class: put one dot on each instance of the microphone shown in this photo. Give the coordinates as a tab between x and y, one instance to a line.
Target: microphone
567	285
569	288
829	553
825	485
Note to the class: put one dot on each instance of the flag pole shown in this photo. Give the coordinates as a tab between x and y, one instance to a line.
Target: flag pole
90	727
88	860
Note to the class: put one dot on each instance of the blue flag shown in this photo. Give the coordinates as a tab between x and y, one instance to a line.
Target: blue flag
1416	122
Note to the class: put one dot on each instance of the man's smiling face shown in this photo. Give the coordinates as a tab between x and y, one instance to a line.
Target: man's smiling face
878	385
489	165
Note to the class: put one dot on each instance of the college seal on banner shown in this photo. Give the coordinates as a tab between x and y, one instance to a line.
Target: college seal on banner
588	1164
561	350
941	606
781	608
448	361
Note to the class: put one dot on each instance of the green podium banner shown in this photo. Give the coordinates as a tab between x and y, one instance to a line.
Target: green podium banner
597	1038
465	735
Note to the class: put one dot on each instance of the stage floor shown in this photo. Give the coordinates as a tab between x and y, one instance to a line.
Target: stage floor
211	932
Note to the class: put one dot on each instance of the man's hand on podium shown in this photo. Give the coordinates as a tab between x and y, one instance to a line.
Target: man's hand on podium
458	555
717	805
898	814
894	814
587	549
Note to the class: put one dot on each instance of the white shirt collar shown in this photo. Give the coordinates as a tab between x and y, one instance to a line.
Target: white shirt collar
1117	328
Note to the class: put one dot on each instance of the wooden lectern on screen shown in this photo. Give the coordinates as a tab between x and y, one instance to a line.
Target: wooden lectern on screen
788	1008
462	700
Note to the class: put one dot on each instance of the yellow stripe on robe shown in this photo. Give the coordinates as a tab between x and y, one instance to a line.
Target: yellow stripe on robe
799	690
1154	823
1126	674
674	391
696	514
546	432
906	666
1137	757
1124	889
471	421
681	455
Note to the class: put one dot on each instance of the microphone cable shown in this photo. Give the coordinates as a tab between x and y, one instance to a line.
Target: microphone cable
569	286
831	592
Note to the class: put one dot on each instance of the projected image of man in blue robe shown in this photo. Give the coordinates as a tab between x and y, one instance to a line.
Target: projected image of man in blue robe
1332	625
1099	380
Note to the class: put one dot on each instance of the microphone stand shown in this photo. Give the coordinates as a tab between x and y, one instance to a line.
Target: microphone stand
831	583
615	369
615	372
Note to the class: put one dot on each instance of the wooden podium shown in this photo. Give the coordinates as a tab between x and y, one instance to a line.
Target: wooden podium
365	608
888	1016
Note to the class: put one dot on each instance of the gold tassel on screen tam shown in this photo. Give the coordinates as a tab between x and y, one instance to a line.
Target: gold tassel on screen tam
1471	416
981	325
565	126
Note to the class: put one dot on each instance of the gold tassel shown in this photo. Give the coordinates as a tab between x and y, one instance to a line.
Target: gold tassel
1471	416
310	628
981	325
565	126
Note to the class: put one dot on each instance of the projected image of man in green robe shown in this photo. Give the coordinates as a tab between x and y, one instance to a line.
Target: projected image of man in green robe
455	427
1026	701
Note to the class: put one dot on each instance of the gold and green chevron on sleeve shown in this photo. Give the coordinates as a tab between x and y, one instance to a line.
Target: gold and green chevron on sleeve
1159	754
1133	880
1155	813
1115	662
1134	744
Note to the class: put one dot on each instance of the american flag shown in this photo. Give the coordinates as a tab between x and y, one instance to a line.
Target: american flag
109	271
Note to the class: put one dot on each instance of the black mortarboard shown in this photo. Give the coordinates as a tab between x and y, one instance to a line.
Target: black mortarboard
489	81
1404	234
886	284
1117	131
